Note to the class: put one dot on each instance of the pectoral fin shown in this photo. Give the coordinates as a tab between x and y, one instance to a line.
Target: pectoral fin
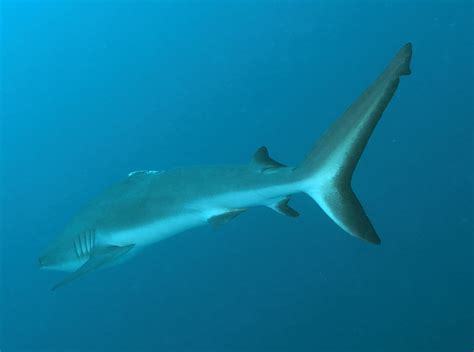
100	257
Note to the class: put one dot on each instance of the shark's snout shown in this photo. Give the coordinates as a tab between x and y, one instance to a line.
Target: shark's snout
60	257
48	260
42	262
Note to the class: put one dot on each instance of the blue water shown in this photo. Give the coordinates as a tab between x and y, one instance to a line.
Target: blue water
94	90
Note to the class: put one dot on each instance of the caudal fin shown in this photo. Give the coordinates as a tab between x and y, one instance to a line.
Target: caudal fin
328	168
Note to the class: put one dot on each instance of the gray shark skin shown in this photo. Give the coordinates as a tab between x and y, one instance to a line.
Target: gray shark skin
149	206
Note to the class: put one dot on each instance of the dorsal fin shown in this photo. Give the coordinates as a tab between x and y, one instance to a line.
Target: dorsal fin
263	162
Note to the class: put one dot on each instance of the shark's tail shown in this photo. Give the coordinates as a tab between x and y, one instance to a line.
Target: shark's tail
327	170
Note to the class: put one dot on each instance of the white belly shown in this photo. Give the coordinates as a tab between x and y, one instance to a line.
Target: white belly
196	214
155	231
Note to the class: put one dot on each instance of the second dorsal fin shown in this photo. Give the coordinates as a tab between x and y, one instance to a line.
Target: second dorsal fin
263	162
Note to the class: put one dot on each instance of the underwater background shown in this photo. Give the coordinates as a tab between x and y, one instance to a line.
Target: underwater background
91	90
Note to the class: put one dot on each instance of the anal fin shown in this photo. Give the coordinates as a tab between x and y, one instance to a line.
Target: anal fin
224	218
282	207
100	257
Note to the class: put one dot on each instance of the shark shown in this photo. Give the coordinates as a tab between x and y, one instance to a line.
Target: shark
149	206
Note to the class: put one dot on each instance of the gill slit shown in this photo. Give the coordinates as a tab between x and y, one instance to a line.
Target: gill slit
76	249
83	245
